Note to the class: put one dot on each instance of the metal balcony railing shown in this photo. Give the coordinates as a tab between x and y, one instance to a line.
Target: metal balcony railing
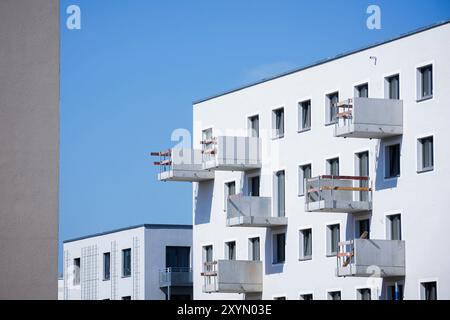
338	194
175	277
371	258
181	165
230	153
249	211
232	276
368	118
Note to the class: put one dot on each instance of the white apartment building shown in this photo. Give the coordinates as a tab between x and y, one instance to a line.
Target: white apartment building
145	262
327	182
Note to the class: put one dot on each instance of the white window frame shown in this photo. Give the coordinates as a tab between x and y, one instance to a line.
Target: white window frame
301	178
421	289
275	134
250	247
385	151
226	244
328	237
329	291
419	75
300	115
273	246
389	224
301	254
328	120
387	85
420	167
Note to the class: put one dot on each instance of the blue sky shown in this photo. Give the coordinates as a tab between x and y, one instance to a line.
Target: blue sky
129	76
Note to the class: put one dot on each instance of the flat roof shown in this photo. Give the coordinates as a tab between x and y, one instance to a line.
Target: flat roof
145	225
322	61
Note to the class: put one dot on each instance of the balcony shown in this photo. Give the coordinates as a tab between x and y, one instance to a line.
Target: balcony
348	194
229	153
175	277
371	258
181	165
246	211
369	118
232	276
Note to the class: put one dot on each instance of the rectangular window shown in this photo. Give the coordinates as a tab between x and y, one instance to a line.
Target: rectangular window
307	296
207	145
106	266
253	186
304	115
333	238
363	171
279	298
126	262
425	158
208	253
394	292
362	91
393	87
392	161
334	295
253	124
304	172
278	122
428	290
332	100
178	257
364	294
306	244
254	249
279	247
230	250
425	82
126	298
280	193
229	190
333	167
76	271
395	227
363	229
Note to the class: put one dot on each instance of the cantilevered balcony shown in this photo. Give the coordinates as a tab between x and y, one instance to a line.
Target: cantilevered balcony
346	194
369	118
181	165
232	276
229	153
175	277
371	258
246	211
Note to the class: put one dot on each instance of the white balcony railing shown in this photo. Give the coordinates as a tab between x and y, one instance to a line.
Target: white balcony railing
369	118
232	276
247	211
229	153
181	165
371	258
348	194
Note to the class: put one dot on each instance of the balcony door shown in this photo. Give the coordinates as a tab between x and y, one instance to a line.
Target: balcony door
178	257
363	171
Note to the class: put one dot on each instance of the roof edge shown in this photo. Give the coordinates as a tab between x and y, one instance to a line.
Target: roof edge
144	225
323	61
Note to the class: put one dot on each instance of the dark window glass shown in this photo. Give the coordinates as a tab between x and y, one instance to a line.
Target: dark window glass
126	262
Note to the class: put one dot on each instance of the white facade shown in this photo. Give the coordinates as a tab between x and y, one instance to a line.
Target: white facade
147	245
418	196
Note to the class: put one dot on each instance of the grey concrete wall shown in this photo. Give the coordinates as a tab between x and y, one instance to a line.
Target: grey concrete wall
29	148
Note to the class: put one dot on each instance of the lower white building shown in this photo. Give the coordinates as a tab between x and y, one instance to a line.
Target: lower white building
145	262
